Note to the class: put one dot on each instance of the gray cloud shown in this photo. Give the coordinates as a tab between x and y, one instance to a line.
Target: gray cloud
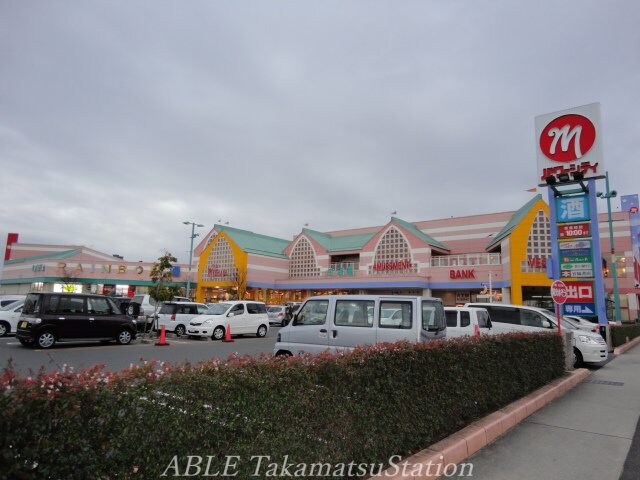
118	121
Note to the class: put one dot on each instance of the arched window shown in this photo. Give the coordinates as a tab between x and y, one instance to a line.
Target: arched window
303	260
393	254
220	264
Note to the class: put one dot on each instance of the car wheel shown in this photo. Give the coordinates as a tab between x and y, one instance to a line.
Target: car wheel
124	337
180	330
46	340
284	353
262	331
218	333
577	358
4	329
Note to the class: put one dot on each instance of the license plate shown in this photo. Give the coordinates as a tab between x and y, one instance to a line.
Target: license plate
23	324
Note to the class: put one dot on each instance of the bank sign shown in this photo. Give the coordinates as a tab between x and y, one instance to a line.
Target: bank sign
570	141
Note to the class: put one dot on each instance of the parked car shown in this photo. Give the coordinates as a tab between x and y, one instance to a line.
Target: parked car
122	303
582	323
175	316
588	346
341	322
48	318
9	299
142	309
277	315
467	321
9	316
240	316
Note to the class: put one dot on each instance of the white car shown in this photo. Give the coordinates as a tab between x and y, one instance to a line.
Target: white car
582	323
588	347
277	315
142	308
9	299
175	316
469	321
9	316
239	317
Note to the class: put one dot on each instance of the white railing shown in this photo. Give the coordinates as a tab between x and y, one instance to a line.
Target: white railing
467	259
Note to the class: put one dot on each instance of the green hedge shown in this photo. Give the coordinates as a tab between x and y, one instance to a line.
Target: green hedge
360	407
620	334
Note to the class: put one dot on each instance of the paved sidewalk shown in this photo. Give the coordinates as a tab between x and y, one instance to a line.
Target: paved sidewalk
585	434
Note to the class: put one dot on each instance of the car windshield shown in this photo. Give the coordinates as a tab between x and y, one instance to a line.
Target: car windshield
31	304
568	325
12	305
274	309
218	308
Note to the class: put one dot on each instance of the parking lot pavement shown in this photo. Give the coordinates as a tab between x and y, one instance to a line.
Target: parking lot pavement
586	434
27	361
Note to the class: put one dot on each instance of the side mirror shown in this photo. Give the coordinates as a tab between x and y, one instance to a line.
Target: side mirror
547	324
231	314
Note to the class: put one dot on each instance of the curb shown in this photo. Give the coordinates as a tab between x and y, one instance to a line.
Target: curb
624	347
432	462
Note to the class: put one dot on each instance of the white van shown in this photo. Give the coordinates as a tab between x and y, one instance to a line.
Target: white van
467	321
340	322
588	347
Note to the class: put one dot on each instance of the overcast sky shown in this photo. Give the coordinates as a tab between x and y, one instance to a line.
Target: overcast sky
119	120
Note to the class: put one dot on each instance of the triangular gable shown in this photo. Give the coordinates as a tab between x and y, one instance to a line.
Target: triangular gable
419	233
204	242
515	220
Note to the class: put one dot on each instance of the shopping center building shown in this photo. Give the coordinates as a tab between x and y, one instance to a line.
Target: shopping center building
72	268
499	257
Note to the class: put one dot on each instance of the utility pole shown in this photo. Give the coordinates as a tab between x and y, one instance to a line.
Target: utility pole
193	235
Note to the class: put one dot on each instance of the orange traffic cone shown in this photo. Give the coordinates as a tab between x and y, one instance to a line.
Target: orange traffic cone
162	341
227	334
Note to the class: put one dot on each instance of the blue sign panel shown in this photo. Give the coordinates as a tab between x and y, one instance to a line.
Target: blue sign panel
175	271
572	209
576	252
581	309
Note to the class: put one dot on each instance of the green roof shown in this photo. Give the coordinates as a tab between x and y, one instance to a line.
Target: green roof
516	218
339	243
255	243
418	233
46	256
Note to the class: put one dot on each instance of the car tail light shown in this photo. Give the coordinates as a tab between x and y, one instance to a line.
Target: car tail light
280	314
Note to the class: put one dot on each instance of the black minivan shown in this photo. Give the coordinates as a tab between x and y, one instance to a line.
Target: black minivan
51	317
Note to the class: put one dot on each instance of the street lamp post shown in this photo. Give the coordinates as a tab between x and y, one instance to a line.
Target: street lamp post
193	235
609	194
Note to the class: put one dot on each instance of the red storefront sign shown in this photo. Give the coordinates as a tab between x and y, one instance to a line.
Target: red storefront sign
460	274
580	292
392	266
574	230
537	262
